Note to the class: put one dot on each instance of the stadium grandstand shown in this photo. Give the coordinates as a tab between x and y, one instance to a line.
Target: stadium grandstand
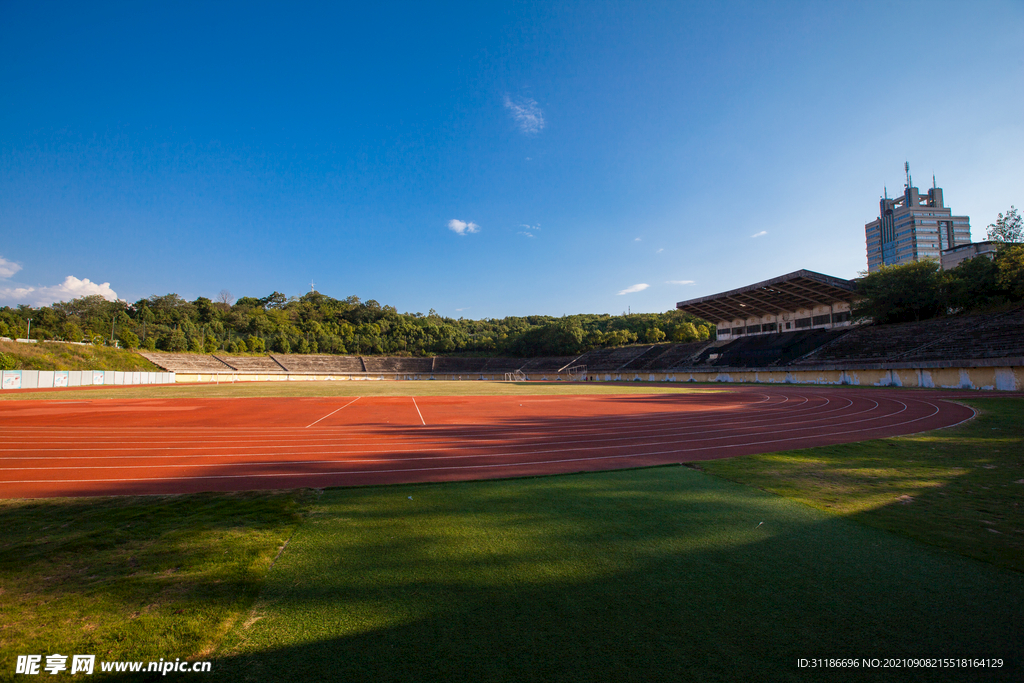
802	300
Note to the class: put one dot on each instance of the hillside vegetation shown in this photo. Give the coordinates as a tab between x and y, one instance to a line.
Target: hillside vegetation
315	323
61	356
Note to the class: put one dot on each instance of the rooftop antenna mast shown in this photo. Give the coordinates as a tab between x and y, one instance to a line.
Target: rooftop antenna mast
906	167
312	287
933	181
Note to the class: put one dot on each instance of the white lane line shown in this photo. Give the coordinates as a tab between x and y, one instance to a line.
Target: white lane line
332	413
418	411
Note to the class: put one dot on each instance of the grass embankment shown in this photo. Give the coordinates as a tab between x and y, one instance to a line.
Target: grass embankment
60	356
960	488
135	577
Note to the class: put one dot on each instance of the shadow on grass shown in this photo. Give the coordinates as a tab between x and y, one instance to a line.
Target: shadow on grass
657	574
960	488
127	578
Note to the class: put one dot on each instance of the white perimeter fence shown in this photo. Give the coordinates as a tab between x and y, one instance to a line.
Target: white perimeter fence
50	379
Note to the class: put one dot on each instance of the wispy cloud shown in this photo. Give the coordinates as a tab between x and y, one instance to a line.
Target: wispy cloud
526	113
526	234
637	239
528	230
71	288
462	227
8	268
660	249
634	288
760	234
680	282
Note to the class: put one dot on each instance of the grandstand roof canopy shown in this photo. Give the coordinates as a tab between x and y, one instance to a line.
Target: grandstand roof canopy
800	289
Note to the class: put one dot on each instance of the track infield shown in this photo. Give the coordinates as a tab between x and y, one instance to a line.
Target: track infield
82	447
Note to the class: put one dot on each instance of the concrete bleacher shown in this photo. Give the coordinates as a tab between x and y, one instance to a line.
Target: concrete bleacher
546	363
767	350
452	365
662	359
185	362
496	365
319	364
257	365
640	362
977	336
397	364
611	359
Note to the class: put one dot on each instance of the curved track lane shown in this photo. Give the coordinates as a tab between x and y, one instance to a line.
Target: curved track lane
148	446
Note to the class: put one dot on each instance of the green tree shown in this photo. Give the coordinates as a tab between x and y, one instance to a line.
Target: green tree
1010	271
1007	228
71	332
175	342
129	339
904	293
255	344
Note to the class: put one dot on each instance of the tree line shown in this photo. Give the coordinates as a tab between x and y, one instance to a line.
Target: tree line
316	323
920	290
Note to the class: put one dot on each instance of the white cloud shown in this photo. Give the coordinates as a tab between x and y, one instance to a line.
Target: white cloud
637	239
71	288
760	234
634	288
660	249
680	282
528	230
526	113
8	268
462	227
521	232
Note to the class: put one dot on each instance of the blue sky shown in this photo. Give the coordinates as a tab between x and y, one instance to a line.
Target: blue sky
486	159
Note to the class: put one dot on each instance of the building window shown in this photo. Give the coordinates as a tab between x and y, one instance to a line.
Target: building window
822	319
802	323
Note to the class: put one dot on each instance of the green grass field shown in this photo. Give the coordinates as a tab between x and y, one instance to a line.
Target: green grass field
906	547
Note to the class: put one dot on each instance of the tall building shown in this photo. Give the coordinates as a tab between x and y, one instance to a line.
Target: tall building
913	228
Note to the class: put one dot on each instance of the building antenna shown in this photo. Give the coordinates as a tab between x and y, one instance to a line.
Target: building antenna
312	287
906	167
933	181
885	190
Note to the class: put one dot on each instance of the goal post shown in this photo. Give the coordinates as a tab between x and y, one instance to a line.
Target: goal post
577	373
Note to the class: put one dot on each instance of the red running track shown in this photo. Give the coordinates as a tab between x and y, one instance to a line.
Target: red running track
82	447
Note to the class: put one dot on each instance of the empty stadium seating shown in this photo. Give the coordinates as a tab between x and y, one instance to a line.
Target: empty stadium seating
185	362
397	364
450	365
999	335
546	363
766	350
611	359
260	365
666	357
320	364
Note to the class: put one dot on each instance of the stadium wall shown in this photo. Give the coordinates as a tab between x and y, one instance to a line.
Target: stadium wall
56	379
